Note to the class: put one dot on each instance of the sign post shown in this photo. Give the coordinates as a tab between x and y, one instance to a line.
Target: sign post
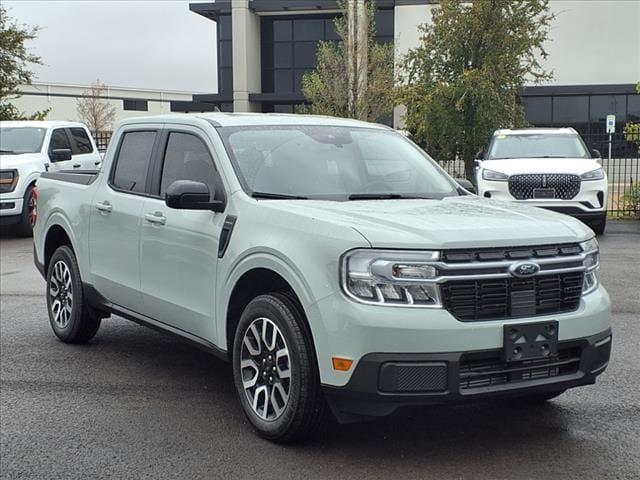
611	129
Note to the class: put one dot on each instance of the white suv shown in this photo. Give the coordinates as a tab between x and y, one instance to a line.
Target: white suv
550	168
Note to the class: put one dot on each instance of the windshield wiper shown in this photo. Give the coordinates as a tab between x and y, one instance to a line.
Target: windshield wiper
277	196
386	196
7	151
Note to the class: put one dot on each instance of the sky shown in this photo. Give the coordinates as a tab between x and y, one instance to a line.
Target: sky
158	44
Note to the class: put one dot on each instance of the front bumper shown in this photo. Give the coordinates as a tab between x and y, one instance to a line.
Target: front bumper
11	207
383	382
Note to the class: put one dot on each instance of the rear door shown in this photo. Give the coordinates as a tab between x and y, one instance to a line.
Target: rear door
59	140
179	248
84	153
114	233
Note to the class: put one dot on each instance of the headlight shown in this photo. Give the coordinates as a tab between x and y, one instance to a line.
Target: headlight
593	175
495	176
592	263
388	277
8	180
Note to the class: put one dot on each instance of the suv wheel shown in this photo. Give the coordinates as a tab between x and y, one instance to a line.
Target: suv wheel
72	320
275	370
28	216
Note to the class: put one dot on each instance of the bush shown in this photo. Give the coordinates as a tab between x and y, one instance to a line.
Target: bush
631	199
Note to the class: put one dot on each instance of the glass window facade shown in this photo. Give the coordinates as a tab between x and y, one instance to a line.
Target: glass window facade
225	55
585	113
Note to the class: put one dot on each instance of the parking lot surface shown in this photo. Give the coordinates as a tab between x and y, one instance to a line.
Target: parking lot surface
139	404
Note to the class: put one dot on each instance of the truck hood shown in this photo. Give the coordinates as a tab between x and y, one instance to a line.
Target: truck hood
455	222
513	166
17	161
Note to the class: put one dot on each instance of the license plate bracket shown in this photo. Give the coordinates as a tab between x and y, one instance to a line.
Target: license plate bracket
528	341
544	193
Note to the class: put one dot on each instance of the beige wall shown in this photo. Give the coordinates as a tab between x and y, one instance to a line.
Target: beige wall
64	107
591	41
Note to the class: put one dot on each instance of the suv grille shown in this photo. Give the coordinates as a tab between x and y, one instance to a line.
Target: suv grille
495	299
486	370
565	186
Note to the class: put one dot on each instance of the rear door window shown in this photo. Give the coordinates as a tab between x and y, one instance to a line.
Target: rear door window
81	141
133	160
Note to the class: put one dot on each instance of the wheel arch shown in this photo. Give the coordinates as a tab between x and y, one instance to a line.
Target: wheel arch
55	237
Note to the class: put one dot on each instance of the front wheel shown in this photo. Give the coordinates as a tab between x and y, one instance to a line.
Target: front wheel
275	370
28	216
72	320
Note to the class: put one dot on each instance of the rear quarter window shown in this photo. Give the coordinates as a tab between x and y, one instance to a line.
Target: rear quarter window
133	160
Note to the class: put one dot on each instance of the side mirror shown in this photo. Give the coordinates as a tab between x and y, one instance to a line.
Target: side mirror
189	195
595	153
480	154
60	154
466	184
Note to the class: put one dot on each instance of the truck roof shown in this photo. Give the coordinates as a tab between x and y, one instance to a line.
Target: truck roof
535	131
245	119
41	123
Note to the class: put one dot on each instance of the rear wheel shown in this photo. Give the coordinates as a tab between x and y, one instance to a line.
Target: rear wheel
28	216
275	371
72	320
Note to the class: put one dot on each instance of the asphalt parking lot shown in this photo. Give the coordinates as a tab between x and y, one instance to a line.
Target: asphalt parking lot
138	404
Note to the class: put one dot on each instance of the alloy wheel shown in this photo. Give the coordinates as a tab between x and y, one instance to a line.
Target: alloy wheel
265	369
61	294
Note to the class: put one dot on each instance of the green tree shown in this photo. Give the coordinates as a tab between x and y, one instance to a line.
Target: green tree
354	75
632	130
461	83
14	62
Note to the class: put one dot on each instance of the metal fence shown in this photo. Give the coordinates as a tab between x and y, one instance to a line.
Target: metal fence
623	172
102	140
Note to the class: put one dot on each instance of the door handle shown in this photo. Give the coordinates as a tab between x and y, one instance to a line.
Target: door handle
76	165
104	207
97	163
156	218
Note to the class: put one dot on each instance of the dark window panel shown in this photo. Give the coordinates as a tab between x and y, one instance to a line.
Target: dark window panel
225	80
537	110
282	30
187	158
59	140
133	160
226	107
384	22
308	29
330	30
298	79
570	110
603	105
135	105
305	54
283	81
226	55
633	112
224	27
283	55
81	140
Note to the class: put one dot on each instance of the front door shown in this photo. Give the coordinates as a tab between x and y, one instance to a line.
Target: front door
114	230
179	247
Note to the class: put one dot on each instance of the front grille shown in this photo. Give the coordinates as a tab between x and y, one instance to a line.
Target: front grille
413	377
511	253
565	186
502	298
487	369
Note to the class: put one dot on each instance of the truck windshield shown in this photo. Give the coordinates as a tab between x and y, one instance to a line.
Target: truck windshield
332	163
16	140
537	146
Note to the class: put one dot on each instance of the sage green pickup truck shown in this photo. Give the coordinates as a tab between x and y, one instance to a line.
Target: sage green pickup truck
332	262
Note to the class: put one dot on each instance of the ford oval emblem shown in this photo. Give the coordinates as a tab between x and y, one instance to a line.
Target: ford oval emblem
524	269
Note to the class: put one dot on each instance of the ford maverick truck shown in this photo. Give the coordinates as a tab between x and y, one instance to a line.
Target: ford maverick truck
332	262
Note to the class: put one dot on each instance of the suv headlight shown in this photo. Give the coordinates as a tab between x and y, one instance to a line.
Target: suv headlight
494	176
592	263
388	277
8	180
597	174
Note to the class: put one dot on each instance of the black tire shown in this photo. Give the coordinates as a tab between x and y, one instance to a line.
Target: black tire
305	408
543	397
598	226
71	319
25	227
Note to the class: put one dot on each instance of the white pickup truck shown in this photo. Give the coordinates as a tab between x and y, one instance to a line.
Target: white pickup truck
331	261
28	148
